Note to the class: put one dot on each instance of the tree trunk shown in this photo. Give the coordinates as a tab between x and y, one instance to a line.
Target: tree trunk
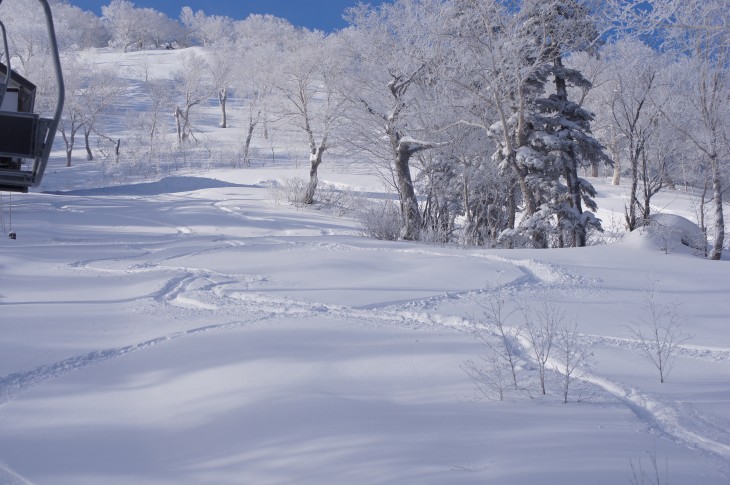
572	178
69	141
247	143
511	205
616	180
579	232
408	202
630	211
315	159
89	153
716	253
222	99
178	124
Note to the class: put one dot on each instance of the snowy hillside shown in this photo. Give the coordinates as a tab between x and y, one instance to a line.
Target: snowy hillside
189	328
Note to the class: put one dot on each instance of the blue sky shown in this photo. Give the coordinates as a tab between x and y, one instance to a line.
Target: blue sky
315	14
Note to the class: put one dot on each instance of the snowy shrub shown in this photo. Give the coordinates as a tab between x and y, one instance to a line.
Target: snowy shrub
380	220
436	234
289	190
342	201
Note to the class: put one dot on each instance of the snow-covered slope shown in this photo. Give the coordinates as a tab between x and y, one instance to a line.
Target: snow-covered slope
191	330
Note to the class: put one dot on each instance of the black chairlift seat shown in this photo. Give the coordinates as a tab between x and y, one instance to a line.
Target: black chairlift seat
26	137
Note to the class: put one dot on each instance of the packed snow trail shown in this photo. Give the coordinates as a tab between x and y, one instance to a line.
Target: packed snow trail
662	418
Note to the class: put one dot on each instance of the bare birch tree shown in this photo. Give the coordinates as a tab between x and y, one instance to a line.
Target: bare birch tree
194	88
659	331
309	83
541	326
572	358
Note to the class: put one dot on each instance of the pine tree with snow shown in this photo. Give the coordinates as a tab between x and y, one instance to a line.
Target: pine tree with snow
557	138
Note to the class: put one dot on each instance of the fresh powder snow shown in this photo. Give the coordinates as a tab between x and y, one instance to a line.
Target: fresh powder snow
195	329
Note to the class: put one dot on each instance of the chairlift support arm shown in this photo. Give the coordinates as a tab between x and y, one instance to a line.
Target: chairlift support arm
7	60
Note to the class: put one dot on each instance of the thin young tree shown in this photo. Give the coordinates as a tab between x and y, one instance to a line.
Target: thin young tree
572	358
491	375
496	316
541	326
72	119
659	331
223	74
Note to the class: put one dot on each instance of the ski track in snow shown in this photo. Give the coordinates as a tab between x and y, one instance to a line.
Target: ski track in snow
698	352
664	419
243	301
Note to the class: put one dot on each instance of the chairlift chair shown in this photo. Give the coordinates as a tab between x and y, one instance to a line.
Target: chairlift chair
26	137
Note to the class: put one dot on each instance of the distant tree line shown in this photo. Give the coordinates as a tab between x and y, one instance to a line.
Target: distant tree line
488	118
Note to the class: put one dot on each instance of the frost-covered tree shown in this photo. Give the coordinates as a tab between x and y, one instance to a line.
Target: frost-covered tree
572	359
259	40
156	28
659	331
310	83
487	68
77	28
696	30
204	30
102	89
543	137
194	87
27	37
394	54
121	20
631	101
90	91
147	143
72	116
223	74
138	27
558	136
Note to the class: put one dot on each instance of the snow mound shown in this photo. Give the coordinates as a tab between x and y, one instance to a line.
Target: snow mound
668	232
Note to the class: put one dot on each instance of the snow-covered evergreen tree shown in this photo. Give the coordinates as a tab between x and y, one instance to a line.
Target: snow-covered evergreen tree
554	138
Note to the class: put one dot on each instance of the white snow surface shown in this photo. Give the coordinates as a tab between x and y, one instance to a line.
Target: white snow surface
191	330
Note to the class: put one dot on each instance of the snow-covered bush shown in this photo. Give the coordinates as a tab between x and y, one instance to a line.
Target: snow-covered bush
380	220
341	200
289	190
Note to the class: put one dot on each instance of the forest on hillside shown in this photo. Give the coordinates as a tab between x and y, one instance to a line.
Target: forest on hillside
487	118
